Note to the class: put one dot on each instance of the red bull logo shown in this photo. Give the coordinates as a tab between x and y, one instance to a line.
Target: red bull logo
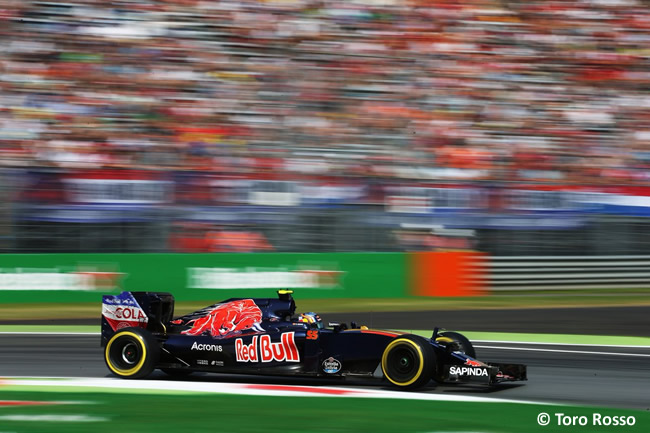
267	351
228	318
473	363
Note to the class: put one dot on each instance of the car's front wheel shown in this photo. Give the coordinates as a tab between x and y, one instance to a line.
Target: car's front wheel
454	342
458	342
409	362
132	353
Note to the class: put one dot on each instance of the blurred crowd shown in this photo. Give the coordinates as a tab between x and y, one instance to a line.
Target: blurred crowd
413	89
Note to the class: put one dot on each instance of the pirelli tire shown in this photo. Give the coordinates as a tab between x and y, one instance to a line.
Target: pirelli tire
132	353
463	344
409	362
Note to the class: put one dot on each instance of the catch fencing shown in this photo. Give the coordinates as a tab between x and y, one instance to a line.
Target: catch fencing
567	272
57	210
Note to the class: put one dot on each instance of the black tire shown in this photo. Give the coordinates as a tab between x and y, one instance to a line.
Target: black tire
177	372
464	345
132	353
409	362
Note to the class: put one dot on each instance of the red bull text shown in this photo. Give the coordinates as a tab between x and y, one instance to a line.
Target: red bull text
267	351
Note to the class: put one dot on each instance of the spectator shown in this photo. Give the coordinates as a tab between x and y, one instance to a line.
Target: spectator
471	89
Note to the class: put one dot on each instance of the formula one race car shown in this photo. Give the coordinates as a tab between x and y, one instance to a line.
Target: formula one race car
263	336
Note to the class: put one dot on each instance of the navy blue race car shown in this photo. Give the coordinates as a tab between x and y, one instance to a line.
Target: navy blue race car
264	336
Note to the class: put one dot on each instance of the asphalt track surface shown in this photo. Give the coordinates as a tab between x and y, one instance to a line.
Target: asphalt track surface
628	321
589	375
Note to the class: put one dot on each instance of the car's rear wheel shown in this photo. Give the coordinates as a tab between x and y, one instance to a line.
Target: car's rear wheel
408	362
132	353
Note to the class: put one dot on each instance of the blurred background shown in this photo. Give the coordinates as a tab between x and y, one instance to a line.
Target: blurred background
504	127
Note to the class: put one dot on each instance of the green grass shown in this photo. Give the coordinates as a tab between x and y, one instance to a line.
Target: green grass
518	300
84	329
110	412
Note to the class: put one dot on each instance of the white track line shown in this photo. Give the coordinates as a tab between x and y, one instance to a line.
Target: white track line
545	343
165	386
53	418
584	352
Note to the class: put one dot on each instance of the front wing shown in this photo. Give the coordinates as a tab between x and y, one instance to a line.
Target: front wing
485	373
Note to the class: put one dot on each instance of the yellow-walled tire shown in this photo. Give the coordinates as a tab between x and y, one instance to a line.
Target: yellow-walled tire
132	353
408	362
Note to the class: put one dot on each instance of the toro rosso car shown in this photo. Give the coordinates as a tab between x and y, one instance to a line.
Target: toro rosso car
264	336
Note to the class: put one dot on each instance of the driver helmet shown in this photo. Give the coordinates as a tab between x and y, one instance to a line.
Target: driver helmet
312	320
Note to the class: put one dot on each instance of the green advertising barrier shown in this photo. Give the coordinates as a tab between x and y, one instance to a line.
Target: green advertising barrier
211	277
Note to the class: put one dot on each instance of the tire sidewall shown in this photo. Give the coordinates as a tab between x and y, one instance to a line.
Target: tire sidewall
147	347
426	361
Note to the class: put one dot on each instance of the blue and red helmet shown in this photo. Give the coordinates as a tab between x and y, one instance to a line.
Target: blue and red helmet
312	320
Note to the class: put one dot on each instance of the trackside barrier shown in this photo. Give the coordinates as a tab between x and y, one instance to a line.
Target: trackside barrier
61	278
453	273
32	278
567	272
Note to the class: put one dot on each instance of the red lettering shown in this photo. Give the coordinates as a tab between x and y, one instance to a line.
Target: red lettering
130	313
267	351
239	346
291	350
278	351
252	350
265	348
246	352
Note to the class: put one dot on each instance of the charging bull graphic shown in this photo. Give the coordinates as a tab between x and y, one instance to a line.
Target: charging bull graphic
225	319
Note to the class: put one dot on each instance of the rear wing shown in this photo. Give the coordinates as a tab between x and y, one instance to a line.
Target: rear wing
148	310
